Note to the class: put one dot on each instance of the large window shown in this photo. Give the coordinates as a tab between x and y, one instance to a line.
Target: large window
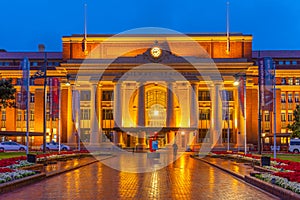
85	95
107	95
227	95
204	114
107	114
203	95
85	114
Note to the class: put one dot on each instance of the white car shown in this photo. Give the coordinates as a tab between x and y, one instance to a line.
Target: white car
12	146
294	145
53	146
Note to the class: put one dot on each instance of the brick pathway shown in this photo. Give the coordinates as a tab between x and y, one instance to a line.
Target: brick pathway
186	178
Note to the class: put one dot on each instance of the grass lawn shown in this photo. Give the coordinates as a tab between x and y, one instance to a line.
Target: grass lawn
291	157
11	154
15	154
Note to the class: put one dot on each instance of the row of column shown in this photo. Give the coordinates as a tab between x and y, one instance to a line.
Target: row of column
216	119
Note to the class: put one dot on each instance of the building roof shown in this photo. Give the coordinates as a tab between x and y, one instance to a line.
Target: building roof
276	54
30	55
157	34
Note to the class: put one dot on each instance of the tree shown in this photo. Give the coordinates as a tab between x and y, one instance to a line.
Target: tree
7	93
295	126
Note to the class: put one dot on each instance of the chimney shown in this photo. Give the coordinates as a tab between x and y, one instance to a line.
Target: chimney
41	47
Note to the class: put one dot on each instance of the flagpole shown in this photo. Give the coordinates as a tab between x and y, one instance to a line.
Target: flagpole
59	118
245	114
45	104
227	28
274	108
26	67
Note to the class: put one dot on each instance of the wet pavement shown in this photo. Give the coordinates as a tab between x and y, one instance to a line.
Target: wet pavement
186	178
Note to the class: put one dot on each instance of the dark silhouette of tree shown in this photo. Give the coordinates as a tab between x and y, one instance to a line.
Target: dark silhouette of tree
7	93
295	126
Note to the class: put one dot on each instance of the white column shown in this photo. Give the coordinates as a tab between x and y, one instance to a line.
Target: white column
117	105
118	114
141	106
194	108
170	105
216	118
141	117
94	136
99	112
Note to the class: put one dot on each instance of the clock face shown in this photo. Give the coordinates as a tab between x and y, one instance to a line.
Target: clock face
155	52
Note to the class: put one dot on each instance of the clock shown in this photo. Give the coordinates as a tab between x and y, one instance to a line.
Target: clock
155	52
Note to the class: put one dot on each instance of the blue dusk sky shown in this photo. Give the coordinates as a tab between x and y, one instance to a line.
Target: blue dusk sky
274	24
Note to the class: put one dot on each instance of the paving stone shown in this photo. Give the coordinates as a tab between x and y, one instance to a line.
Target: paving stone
186	178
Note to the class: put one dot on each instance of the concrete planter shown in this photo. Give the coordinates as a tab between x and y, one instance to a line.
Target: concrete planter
11	185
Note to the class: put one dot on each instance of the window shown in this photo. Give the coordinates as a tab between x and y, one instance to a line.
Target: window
107	95
31	81
283	117
290	116
203	95
280	62
290	81
48	97
19	115
107	114
227	95
85	95
204	114
283	97
25	116
297	97
34	64
294	62
290	97
85	114
31	115
267	116
283	81
287	62
31	98
297	81
3	118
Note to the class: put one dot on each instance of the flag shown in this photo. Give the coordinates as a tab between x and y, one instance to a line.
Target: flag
266	82
54	97
241	94
25	67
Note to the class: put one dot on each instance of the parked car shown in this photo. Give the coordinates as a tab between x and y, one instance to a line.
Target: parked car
12	146
294	145
53	146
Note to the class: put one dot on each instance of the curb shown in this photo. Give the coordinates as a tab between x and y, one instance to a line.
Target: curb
12	185
271	188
